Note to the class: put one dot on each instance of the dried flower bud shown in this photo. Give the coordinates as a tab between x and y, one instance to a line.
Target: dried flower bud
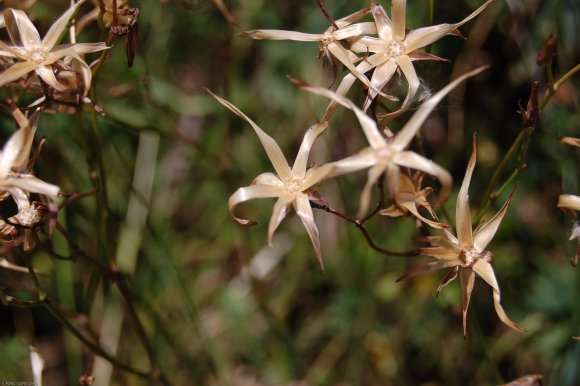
548	51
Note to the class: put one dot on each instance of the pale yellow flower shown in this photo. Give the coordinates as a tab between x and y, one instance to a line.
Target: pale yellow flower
32	53
466	254
388	155
396	48
291	185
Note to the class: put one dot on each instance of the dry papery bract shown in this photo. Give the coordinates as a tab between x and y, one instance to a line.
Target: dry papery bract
393	49
465	255
30	53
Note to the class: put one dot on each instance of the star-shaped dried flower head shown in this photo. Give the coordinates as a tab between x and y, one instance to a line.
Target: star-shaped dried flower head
410	197
42	55
330	42
388	155
396	48
466	254
291	185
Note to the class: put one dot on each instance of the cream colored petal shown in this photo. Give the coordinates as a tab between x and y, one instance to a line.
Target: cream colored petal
28	127
408	70
340	53
355	30
77	48
569	201
393	174
368	125
398	10
370	44
251	192
268	179
381	76
353	17
17	71
440	253
411	207
422	37
365	197
272	149
21	30
415	161
11	151
281	208
32	184
276	34
46	74
421	268
467	279
304	211
485	271
483	234
315	175
462	212
362	160
85	72
404	137
382	21
571	141
451	275
57	28
13	52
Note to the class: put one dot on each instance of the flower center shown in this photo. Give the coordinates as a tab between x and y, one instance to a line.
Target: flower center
28	217
327	38
37	55
468	257
294	185
395	49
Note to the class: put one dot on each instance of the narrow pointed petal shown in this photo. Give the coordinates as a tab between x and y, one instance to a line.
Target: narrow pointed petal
367	28
404	137
248	193
32	184
28	127
483	234
467	279
57	28
17	71
415	161
301	162
21	30
46	74
451	275
280	211
421	268
315	175
569	201
446	254
570	141
365	197
422	37
276	34
362	160
13	52
342	54
11	151
485	271
398	11
353	17
368	125
304	211
268	179
411	207
384	27
413	82
272	149
462	212
381	76
86	73
71	49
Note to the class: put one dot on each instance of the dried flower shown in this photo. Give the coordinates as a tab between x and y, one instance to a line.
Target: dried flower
409	197
292	186
330	42
466	255
389	155
41	56
395	48
571	203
